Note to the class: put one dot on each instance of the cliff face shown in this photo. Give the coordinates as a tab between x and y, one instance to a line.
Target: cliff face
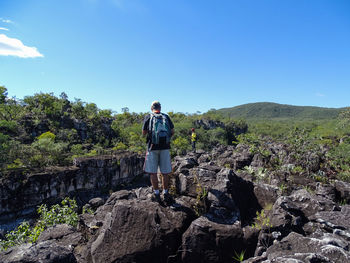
89	177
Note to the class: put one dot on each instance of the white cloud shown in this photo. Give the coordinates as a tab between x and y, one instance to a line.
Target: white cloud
320	95
15	47
7	21
3	28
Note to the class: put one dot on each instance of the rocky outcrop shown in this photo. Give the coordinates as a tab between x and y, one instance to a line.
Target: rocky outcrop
220	210
94	176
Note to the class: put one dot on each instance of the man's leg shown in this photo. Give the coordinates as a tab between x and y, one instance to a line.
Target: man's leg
151	167
165	182
154	182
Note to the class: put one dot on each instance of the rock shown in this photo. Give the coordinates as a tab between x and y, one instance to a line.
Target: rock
138	231
258	259
204	158
242	159
21	194
242	192
334	219
326	191
236	160
96	202
187	184
56	232
210	166
222	208
293	211
250	240
43	252
209	221
183	164
258	161
342	191
313	161
266	194
307	249
207	241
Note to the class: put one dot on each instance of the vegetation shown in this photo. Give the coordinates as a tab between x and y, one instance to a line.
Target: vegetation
262	221
239	257
44	130
268	110
57	214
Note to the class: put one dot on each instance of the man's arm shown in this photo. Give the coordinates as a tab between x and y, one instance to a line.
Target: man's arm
171	126
145	125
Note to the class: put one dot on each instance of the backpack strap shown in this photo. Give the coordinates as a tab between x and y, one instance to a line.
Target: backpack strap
150	124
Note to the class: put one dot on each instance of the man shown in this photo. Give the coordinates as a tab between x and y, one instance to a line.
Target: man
193	140
159	128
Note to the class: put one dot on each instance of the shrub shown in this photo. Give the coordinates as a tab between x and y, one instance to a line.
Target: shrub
57	214
180	145
47	152
47	135
120	146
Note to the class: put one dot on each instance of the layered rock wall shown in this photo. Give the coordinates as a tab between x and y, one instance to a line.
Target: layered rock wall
89	177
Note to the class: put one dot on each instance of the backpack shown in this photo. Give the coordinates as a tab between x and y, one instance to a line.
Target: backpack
159	128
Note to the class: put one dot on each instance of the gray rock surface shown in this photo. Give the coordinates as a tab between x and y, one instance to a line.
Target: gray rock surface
217	211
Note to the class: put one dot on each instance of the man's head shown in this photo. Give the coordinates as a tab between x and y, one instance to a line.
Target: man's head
155	106
192	129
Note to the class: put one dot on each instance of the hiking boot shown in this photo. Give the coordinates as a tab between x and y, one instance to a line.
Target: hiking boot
168	199
156	198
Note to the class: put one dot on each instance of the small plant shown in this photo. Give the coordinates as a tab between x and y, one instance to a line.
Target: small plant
239	256
249	169
262	221
297	170
227	165
120	146
343	202
87	210
16	164
282	188
320	178
260	174
200	206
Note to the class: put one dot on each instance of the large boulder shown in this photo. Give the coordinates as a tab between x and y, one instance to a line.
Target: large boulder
209	242
295	209
305	249
222	208
183	164
187	184
139	231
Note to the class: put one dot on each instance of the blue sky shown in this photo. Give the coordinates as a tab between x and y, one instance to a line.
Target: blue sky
191	55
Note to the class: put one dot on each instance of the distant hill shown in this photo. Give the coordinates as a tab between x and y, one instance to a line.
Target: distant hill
269	110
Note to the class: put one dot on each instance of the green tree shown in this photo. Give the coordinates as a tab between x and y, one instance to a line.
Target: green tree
344	117
3	94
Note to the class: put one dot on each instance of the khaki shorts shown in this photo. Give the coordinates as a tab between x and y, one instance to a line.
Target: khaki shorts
158	158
